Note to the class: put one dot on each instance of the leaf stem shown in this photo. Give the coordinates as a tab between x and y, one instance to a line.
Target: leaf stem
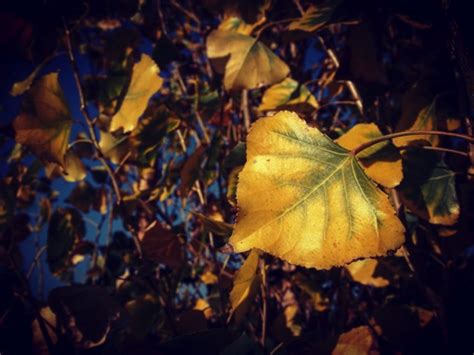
386	137
439	149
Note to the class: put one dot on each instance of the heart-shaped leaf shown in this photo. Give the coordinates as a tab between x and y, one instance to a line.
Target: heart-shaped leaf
307	200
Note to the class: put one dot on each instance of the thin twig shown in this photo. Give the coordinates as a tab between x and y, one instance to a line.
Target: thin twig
368	144
438	149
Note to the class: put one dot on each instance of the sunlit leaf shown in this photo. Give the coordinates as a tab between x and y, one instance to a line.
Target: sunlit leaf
74	168
44	123
381	162
144	84
306	200
315	17
362	271
357	341
236	24
249	64
428	188
288	94
209	278
244	280
114	148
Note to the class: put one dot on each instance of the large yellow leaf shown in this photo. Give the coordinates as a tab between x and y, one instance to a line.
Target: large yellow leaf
305	199
44	122
249	64
287	94
236	24
244	279
382	162
144	84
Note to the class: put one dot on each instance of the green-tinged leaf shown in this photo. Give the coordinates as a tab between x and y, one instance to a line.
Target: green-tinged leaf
212	225
74	168
382	162
315	17
362	271
305	199
249	64
66	227
236	157
232	183
144	84
86	311
288	94
357	341
114	148
190	171
236	24
428	188
245	281
425	120
44	123
162	246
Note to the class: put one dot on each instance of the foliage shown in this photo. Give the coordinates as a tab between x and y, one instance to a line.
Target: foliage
232	177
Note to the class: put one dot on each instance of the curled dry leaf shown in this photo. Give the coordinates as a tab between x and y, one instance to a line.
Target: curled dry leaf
305	199
362	271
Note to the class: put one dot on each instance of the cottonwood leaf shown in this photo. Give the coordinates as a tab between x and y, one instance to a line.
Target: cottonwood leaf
425	120
305	199
429	188
357	341
315	17
44	123
215	226
245	62
144	84
114	148
20	87
382	162
86	310
244	281
236	24
162	246
362	271
66	227
191	169
288	94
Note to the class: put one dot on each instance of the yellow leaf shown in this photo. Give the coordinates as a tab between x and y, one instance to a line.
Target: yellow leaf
114	148
381	162
245	62
315	17
209	278
203	305
362	271
144	84
244	278
44	122
20	87
286	94
236	24
357	341
291	311
74	168
305	199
